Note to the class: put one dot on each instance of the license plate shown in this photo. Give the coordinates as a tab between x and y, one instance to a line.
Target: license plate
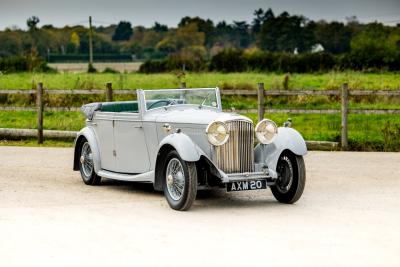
246	185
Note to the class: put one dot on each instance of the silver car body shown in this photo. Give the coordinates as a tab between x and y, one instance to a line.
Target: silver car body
126	146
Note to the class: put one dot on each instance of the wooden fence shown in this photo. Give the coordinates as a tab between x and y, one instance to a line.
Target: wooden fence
261	93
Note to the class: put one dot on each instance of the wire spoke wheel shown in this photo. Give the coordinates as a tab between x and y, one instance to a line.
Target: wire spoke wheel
175	179
291	178
86	160
285	174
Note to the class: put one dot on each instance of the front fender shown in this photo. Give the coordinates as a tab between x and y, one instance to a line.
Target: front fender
287	139
182	143
88	134
186	149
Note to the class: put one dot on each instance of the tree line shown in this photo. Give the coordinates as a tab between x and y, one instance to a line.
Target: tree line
268	41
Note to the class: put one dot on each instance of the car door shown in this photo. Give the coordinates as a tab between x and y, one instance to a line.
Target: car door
103	125
130	144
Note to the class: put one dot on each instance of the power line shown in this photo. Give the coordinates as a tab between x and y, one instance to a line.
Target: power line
103	22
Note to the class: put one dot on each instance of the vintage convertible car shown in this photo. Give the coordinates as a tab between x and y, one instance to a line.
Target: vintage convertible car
181	141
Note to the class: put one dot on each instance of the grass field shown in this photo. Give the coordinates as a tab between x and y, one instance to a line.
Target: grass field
332	80
366	132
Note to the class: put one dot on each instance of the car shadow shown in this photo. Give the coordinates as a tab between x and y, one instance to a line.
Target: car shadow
220	199
205	199
144	188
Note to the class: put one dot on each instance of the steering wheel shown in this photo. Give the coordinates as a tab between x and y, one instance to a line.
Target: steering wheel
168	102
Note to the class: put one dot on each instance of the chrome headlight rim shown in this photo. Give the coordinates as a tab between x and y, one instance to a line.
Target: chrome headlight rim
215	125
261	128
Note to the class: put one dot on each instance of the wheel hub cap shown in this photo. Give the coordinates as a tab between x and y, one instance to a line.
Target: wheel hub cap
170	179
82	159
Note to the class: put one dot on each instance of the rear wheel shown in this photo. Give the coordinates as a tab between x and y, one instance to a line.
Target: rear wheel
291	178
180	182
86	165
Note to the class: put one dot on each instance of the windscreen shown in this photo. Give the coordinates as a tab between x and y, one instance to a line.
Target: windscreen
162	98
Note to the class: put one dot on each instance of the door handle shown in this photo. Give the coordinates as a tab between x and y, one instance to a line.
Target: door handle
167	127
94	124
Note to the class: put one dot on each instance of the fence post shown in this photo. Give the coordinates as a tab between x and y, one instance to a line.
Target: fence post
183	85
261	101
345	107
109	92
39	105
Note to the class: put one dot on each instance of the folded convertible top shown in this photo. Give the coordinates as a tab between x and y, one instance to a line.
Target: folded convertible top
89	109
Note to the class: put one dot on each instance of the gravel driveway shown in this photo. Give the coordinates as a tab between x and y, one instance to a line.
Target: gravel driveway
349	215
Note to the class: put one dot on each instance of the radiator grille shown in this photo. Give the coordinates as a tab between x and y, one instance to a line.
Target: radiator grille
236	155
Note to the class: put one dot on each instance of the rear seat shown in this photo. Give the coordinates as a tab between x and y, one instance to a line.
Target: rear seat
128	106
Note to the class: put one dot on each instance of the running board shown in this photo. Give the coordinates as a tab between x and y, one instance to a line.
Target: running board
142	177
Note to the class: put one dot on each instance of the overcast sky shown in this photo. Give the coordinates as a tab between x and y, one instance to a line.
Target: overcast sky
145	12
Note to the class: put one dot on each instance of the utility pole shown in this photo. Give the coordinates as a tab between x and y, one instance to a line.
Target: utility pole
90	42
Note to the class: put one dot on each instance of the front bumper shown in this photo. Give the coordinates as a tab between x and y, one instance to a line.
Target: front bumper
249	176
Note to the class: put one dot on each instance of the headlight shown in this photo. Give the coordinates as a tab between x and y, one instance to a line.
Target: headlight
266	131
217	133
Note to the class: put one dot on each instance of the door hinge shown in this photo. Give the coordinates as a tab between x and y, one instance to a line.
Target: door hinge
114	153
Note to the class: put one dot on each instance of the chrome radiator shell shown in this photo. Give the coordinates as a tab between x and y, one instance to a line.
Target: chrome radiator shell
237	154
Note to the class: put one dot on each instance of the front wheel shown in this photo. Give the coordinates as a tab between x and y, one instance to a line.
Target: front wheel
291	178
180	182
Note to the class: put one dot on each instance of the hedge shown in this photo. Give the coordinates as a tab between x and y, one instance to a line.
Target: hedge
233	60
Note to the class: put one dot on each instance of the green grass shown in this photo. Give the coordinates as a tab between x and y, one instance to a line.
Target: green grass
366	132
331	80
33	143
72	121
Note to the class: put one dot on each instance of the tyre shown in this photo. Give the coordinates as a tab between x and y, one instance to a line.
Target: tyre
179	182
291	178
86	165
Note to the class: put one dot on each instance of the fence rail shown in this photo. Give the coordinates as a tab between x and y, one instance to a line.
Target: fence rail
294	92
248	110
261	93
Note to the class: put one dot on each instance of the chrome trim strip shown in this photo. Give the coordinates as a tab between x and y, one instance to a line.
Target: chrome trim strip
142	177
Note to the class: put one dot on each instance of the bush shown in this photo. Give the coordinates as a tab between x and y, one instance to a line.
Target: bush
229	60
153	66
110	70
91	68
233	60
14	64
23	63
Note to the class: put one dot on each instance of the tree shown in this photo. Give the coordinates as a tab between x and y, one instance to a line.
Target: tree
74	43
185	36
204	26
123	31
32	23
286	33
159	27
260	17
241	34
375	46
335	37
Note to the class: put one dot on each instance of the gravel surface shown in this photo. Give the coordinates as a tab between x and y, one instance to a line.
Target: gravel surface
349	215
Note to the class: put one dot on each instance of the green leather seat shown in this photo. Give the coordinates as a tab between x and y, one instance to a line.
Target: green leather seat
128	106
